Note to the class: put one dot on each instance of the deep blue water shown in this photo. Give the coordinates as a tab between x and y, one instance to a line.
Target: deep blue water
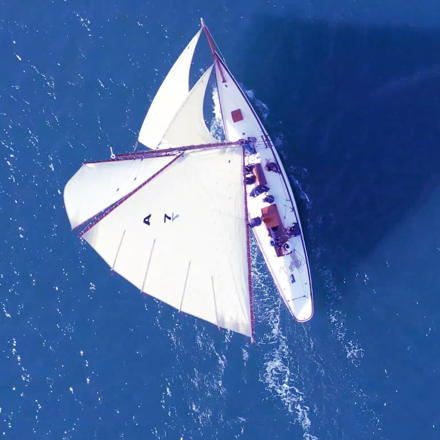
351	94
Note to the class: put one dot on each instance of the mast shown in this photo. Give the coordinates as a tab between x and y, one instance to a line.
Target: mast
212	47
217	64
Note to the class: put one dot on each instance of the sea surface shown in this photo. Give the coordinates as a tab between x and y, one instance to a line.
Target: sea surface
350	93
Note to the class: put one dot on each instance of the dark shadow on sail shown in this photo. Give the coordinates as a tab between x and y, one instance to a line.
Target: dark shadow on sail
358	108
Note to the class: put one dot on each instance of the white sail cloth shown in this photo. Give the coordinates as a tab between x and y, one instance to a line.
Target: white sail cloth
188	126
169	98
96	186
182	237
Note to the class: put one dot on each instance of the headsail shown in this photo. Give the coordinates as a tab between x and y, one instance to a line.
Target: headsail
188	126
182	238
170	96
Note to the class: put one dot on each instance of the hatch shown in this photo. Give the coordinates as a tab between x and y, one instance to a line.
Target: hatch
257	170
237	115
270	216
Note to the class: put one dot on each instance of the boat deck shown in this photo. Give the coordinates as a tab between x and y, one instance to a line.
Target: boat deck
279	235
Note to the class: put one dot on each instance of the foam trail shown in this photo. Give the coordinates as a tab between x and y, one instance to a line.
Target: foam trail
280	372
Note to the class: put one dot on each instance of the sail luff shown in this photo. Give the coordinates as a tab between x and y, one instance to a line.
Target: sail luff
248	248
170	96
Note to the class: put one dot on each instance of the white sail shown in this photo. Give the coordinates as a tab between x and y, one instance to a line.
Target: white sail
182	238
170	96
96	186
188	126
235	106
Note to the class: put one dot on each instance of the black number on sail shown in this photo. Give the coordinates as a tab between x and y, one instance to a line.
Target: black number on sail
172	218
147	219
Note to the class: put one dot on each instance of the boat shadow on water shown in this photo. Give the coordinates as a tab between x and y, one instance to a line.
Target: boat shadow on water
358	108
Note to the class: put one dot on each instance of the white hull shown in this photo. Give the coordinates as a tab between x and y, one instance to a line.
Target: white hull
297	291
291	272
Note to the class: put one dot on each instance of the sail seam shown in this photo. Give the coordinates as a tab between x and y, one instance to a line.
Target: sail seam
184	286
148	265
215	302
117	252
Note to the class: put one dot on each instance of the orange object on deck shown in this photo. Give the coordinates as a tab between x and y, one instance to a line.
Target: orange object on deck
270	216
259	174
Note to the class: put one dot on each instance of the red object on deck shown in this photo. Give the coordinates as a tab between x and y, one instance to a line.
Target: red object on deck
257	169
237	115
271	217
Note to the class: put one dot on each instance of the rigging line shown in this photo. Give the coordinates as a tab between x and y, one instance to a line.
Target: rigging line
105	212
265	140
148	265
117	252
212	43
184	286
166	151
135	146
215	303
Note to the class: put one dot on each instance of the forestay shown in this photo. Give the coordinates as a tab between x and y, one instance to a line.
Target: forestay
182	238
169	98
96	186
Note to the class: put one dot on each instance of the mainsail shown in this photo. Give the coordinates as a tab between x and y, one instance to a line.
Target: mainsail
182	237
169	98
